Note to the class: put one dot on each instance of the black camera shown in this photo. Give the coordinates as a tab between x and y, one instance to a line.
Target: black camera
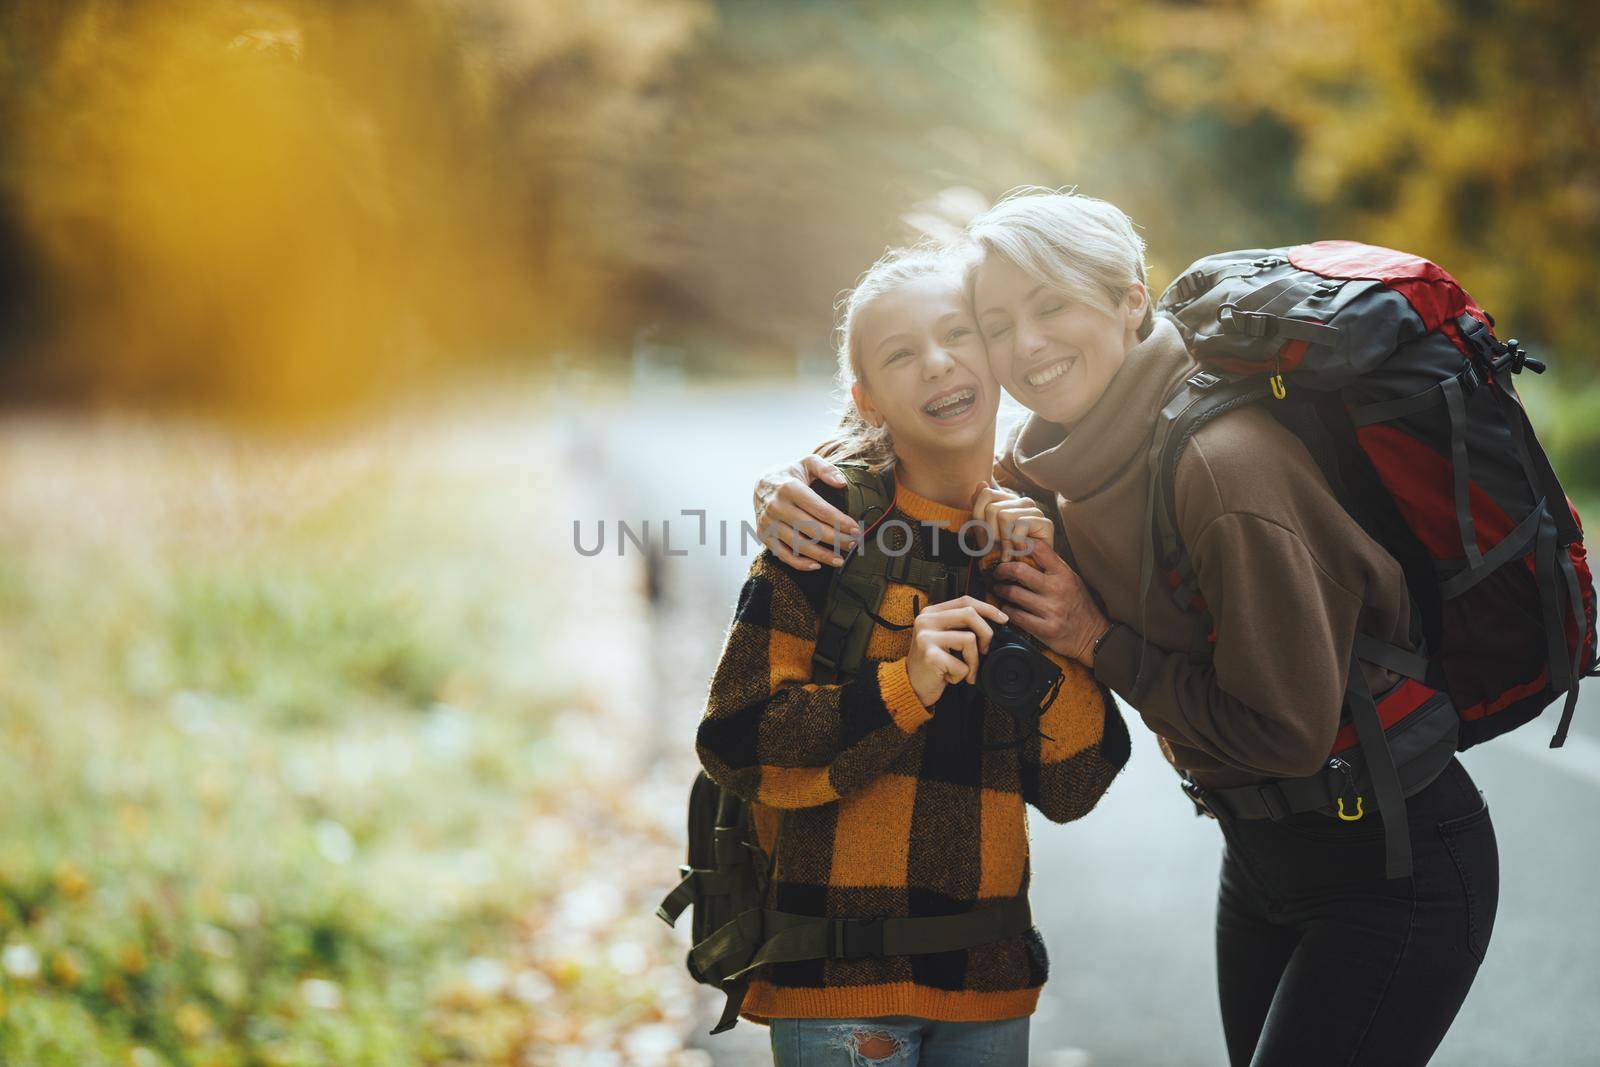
1016	675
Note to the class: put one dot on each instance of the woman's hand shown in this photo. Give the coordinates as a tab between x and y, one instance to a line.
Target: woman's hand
802	529
1047	598
1011	518
946	641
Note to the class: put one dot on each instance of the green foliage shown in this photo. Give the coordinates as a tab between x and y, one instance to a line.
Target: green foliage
1565	411
276	759
330	639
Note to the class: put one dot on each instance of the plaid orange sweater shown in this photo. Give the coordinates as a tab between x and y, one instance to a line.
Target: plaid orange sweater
888	808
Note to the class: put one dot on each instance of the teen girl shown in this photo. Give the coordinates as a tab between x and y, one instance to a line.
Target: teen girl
895	792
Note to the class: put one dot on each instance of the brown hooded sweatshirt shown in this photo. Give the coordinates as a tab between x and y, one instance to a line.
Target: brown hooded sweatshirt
1288	576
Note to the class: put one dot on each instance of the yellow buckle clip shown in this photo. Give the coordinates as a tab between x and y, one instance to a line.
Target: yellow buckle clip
1351	817
1279	390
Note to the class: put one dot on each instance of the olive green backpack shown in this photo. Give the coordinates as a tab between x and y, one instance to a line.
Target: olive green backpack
727	875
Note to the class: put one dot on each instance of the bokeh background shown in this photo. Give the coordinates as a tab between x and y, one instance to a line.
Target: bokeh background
322	323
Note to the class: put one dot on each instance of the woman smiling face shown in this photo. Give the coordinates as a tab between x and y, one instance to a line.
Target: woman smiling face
923	369
1056	355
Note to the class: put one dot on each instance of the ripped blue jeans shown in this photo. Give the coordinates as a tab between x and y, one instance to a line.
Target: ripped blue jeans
899	1041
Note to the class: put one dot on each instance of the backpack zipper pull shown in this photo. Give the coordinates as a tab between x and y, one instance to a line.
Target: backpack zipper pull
1350	787
1279	390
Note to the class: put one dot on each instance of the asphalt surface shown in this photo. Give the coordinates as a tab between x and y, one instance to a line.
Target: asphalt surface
1125	898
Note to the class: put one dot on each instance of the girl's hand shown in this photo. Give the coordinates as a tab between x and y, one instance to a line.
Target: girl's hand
1050	601
946	641
1011	518
801	528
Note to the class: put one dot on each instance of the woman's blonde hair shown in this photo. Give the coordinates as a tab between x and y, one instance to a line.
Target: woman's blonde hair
856	440
1086	248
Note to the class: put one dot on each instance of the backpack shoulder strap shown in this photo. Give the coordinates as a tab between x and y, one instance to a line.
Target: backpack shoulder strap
1203	396
868	494
857	587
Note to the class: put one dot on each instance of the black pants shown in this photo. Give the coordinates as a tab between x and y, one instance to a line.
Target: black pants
1320	960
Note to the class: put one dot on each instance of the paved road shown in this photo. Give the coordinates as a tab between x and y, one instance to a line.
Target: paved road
1123	899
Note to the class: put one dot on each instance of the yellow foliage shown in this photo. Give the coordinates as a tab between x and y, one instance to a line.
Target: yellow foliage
192	1021
274	206
66	968
71	881
1456	131
284	206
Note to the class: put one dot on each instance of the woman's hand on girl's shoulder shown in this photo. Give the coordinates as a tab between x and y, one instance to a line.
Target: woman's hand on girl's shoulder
795	522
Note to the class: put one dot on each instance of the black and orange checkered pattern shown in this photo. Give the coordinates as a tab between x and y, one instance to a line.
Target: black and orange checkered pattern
876	806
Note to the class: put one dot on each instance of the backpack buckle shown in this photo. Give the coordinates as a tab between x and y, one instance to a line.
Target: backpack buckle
1516	358
1197	797
1275	803
855	938
1234	320
1204	379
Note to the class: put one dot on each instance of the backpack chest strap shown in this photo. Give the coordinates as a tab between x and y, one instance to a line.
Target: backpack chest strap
937	579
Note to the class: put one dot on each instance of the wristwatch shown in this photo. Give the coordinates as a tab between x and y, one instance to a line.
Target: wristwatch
1094	652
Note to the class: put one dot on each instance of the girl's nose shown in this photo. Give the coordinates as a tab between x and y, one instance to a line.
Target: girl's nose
938	364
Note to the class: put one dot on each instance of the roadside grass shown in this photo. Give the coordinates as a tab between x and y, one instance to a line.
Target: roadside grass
302	760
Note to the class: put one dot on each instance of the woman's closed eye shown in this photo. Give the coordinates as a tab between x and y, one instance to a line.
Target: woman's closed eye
959	333
897	354
998	331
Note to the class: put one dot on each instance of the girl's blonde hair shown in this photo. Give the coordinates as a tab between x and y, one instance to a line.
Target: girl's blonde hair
1086	248
856	440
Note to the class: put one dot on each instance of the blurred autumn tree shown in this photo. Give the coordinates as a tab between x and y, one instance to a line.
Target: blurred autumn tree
1467	131
248	202
285	204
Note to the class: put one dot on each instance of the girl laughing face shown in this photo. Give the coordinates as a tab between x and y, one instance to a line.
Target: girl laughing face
923	373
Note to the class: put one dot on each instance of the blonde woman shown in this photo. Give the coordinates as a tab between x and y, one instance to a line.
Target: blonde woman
892	794
1320	958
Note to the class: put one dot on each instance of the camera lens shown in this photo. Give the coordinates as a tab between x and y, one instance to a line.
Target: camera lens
1009	674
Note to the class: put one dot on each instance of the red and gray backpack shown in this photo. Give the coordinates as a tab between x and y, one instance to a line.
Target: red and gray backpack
1392	377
